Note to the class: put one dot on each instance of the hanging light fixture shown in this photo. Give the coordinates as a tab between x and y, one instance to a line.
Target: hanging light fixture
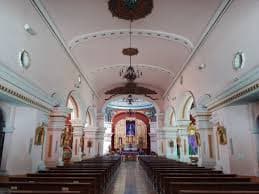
130	99
129	73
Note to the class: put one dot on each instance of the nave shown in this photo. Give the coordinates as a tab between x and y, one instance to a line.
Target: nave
131	179
124	96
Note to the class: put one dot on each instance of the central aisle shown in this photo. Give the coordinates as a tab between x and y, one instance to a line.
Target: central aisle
131	179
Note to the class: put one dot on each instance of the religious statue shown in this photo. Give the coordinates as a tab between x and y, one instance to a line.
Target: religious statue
222	135
39	135
171	145
178	145
89	145
140	142
66	142
82	143
193	138
130	128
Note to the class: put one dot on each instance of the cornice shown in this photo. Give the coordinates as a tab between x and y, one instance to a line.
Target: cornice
246	85
76	41
23	91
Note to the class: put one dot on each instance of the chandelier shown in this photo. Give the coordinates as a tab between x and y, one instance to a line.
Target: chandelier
130	99
129	73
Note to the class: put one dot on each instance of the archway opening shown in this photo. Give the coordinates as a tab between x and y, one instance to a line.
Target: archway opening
128	126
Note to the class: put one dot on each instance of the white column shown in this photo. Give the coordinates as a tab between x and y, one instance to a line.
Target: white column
93	136
9	129
77	138
255	139
207	151
153	142
56	125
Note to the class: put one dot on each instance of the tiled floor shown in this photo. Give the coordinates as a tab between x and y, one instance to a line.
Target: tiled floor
131	179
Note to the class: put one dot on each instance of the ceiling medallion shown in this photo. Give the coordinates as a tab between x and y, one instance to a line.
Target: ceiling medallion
130	9
130	51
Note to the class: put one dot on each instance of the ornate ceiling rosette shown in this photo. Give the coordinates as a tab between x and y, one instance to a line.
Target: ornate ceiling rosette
130	51
130	9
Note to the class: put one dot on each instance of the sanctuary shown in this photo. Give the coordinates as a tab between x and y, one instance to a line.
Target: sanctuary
129	96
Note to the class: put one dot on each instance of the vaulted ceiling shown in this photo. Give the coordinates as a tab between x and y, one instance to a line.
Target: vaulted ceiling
165	38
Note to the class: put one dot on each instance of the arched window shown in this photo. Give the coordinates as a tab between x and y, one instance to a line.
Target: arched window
189	104
172	119
73	105
88	120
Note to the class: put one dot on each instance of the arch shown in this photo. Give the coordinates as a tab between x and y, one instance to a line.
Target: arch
76	98
88	117
135	32
170	117
71	103
121	96
187	104
136	115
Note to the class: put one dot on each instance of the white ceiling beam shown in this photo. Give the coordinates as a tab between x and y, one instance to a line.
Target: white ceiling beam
37	4
210	27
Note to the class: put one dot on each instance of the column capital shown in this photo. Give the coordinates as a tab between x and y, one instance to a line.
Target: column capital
8	129
200	112
77	123
60	112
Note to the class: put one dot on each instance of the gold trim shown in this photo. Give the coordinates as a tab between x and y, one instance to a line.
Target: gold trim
236	96
22	97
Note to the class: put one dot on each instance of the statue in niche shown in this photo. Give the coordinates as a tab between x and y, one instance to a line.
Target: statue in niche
39	135
140	142
222	134
82	143
171	145
62	138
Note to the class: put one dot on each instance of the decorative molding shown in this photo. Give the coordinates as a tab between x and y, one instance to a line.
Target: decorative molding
246	85
210	27
235	96
135	32
23	91
147	66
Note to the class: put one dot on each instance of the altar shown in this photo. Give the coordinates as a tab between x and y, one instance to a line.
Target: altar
129	155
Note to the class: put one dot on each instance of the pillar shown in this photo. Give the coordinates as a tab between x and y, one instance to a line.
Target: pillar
8	130
77	139
56	125
94	139
206	151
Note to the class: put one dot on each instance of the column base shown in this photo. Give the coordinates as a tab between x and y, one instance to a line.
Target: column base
51	163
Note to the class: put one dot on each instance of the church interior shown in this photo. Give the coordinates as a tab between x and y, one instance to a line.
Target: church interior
129	96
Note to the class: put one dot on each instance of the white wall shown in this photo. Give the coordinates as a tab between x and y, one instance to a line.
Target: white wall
238	122
20	159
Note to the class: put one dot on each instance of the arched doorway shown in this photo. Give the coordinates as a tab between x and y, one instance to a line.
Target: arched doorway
140	139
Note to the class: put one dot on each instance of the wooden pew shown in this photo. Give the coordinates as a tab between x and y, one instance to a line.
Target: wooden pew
175	187
85	188
216	192
92	180
42	192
